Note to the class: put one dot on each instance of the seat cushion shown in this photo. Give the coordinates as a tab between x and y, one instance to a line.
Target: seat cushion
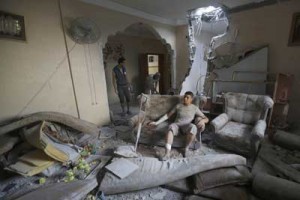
235	136
161	129
157	137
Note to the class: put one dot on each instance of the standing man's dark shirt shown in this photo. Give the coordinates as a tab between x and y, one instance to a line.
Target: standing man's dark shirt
120	75
121	85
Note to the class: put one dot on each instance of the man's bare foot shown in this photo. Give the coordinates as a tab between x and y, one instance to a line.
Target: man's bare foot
164	157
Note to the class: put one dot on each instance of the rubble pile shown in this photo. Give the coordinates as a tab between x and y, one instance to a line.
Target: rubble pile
45	149
51	160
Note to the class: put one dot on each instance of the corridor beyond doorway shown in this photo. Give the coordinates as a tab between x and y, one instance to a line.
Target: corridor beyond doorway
136	40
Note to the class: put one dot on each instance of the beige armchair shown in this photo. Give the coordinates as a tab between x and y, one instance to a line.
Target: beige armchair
242	126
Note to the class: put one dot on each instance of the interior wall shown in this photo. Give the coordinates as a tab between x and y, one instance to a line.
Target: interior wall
182	59
134	46
271	25
110	23
257	61
26	65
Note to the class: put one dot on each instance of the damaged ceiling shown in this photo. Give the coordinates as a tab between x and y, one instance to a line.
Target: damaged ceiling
176	14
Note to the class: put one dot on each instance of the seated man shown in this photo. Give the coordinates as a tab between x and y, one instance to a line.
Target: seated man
185	114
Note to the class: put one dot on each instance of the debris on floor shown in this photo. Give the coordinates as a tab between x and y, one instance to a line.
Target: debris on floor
126	151
122	167
52	160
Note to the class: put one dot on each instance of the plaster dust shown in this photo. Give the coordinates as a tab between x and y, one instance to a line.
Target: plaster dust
157	193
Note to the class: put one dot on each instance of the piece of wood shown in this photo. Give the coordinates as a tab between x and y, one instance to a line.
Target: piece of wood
122	167
75	190
61	118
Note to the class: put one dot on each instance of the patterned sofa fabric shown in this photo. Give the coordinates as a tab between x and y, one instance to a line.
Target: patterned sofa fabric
247	108
244	122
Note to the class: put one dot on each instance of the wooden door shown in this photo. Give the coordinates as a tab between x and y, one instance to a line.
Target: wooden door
163	74
144	72
163	70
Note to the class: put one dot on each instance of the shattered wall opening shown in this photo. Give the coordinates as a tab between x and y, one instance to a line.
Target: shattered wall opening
213	48
204	24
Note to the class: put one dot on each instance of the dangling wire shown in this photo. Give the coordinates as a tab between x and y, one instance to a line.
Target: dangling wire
93	79
88	74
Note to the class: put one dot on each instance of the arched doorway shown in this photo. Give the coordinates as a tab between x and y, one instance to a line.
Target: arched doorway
136	43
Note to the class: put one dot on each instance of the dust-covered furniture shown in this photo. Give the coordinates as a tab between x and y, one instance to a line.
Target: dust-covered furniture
242	126
154	107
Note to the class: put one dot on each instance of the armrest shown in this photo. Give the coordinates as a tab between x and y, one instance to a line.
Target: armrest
134	121
200	126
259	128
219	122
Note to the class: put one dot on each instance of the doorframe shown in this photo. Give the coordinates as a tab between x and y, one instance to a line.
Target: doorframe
161	67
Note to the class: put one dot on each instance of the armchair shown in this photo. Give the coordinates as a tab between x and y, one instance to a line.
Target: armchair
242	126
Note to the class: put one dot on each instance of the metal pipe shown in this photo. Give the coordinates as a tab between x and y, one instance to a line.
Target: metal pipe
253	72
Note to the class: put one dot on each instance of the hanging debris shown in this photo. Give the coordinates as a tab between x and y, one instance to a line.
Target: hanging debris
196	17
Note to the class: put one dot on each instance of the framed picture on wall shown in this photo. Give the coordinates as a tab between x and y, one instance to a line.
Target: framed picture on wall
294	39
12	26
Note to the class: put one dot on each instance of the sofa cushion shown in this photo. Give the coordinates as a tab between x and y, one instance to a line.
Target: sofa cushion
219	177
161	129
235	136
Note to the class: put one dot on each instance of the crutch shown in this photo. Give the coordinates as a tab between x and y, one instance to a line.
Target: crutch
140	122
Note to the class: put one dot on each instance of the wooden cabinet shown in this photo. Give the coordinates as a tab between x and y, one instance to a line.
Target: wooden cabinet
281	95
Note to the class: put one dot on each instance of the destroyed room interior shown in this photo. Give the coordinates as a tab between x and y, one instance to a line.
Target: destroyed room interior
150	99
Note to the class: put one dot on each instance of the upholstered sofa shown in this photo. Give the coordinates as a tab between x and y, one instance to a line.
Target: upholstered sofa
154	107
242	126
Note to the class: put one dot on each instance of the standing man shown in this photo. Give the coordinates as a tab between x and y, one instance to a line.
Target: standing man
185	115
121	85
